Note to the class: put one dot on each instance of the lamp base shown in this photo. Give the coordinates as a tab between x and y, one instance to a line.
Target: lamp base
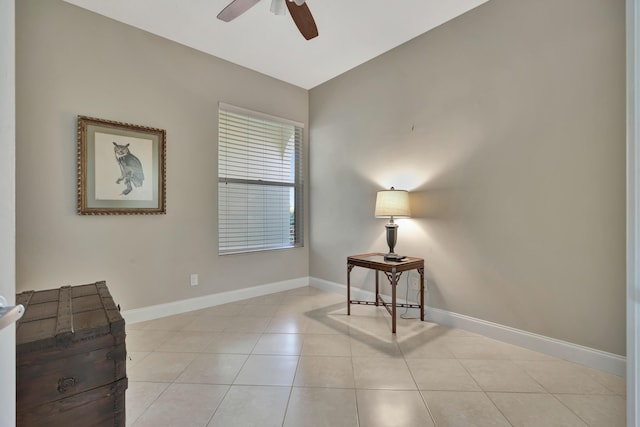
393	257
392	237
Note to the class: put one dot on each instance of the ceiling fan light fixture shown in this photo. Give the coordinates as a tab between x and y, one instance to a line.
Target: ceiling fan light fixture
298	2
277	7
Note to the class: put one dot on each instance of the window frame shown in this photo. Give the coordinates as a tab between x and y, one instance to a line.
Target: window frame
297	237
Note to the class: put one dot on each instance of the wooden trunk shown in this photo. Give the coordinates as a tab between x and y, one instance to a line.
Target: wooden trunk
70	358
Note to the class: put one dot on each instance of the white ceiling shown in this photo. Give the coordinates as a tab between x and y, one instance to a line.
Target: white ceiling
351	32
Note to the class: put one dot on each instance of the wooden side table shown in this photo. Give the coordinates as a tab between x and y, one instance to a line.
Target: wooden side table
392	270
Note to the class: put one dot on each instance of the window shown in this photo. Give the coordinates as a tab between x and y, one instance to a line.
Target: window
260	189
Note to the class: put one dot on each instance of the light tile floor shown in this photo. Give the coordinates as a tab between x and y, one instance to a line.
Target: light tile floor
296	359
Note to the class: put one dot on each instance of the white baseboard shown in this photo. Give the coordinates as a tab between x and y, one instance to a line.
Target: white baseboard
587	356
590	357
176	307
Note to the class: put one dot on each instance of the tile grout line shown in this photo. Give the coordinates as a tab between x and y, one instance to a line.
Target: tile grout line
424	400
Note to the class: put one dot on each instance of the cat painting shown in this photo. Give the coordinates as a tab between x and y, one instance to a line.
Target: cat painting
130	168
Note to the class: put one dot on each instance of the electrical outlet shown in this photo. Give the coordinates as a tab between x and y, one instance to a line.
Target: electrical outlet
194	280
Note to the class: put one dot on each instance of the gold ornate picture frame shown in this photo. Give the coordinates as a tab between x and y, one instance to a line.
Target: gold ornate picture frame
121	168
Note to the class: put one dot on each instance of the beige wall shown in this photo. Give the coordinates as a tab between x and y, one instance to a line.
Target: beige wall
70	62
508	124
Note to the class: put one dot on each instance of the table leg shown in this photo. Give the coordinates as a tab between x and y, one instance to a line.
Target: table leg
394	282
421	271
377	292
349	268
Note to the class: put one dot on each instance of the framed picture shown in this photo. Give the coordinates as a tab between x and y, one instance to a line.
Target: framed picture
121	168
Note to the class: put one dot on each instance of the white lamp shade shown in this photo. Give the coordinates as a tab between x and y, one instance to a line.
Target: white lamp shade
392	203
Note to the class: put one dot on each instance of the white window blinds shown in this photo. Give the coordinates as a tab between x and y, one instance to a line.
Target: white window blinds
260	191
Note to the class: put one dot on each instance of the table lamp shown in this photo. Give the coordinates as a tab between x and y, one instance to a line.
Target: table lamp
389	204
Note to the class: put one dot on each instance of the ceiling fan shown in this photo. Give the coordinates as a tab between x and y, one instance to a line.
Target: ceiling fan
298	10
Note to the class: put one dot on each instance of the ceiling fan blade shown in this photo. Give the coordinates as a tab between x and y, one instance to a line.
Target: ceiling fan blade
303	18
235	9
